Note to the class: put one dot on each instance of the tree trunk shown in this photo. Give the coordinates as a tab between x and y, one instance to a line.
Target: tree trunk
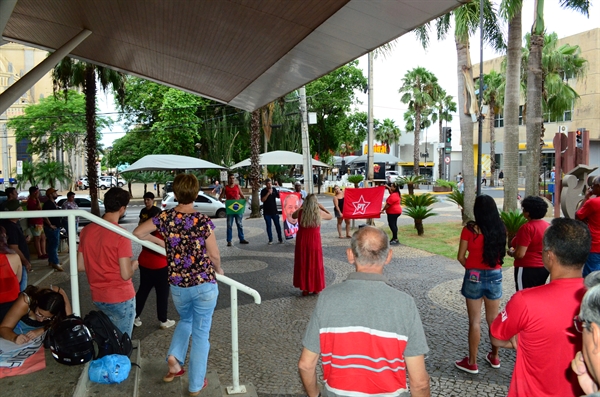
91	143
416	152
411	188
254	163
419	227
465	75
492	145
442	138
129	188
534	115
512	96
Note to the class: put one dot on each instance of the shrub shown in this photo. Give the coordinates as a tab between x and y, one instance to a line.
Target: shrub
445	183
419	213
513	220
356	179
421	200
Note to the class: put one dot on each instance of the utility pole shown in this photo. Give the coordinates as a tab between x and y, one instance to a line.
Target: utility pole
5	166
370	137
307	163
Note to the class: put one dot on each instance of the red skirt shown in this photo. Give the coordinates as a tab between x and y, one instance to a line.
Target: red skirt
309	274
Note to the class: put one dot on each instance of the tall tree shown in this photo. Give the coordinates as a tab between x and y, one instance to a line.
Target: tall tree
70	73
493	95
387	132
466	23
535	87
254	162
419	88
511	11
442	112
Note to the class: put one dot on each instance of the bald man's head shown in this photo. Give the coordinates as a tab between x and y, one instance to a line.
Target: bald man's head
370	247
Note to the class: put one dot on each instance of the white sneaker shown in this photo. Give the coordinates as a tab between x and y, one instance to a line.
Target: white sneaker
137	322
167	324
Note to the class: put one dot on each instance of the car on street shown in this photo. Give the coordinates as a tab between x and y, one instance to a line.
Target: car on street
204	203
84	202
24	195
391	176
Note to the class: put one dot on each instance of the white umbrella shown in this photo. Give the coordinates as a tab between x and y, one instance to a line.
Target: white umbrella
337	160
377	158
155	162
280	157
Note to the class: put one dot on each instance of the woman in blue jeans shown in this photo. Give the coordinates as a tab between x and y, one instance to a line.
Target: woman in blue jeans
194	261
485	241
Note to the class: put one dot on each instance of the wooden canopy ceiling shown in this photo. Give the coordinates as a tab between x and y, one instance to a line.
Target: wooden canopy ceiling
242	52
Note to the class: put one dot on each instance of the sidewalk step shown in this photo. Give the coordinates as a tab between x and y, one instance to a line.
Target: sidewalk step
127	388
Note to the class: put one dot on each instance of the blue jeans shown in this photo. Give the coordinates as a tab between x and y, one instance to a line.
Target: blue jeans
479	283
275	219
195	306
591	264
121	314
238	223
52	241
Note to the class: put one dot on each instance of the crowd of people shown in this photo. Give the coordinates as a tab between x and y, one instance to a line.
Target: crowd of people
553	320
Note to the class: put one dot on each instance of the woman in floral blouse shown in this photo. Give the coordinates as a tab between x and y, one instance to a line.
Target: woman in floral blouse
194	260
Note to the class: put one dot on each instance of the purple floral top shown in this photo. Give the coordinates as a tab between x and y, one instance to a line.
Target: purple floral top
185	236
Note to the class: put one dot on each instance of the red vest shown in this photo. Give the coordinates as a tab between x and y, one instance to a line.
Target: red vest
9	284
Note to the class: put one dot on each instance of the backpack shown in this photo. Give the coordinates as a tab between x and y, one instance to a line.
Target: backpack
107	338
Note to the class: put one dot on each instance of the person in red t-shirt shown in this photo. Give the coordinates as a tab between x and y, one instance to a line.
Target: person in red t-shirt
393	208
485	240
527	245
589	212
542	317
233	192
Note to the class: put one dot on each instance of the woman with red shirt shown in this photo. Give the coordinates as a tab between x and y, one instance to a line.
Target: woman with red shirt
527	245
485	241
393	208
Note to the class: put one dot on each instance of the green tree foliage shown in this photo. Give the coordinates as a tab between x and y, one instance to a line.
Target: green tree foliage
387	132
52	123
48	173
419	90
177	130
332	97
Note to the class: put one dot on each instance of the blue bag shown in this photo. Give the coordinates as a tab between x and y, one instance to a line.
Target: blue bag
113	368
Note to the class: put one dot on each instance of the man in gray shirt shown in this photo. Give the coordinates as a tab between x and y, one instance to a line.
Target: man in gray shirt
367	333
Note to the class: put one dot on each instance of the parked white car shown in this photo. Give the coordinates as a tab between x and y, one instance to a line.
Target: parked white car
84	202
391	176
204	203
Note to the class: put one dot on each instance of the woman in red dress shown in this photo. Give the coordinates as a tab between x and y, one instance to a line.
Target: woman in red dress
309	275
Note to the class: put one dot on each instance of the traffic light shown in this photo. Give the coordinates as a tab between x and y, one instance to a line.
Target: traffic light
447	136
579	138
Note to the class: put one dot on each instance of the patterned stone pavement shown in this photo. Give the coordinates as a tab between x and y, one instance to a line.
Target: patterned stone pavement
270	334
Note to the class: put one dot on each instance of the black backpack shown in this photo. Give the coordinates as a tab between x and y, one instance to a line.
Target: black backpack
108	338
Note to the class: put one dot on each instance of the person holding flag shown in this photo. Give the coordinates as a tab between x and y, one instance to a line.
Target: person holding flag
235	204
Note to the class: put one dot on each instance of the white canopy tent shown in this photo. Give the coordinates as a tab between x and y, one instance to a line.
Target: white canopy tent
337	160
157	162
377	158
280	157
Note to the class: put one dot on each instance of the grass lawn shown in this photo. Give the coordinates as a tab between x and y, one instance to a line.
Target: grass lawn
439	238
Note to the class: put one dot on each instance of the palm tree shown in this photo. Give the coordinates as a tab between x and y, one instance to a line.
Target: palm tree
49	172
443	109
254	162
70	73
535	88
493	95
419	88
511	11
387	133
466	23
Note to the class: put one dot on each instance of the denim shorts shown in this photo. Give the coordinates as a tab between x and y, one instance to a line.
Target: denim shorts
479	283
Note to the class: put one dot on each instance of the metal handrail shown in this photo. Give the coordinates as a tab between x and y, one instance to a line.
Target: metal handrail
72	239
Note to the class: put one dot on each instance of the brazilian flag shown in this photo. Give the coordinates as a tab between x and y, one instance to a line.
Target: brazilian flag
235	207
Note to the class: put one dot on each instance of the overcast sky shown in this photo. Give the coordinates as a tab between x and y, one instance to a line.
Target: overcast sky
440	58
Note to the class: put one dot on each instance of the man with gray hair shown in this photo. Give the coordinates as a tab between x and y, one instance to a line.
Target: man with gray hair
367	333
542	317
586	363
589	212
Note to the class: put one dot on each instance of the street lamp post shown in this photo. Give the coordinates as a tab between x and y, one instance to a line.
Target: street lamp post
9	147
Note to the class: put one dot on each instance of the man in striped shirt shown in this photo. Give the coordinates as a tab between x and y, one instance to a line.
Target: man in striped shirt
367	333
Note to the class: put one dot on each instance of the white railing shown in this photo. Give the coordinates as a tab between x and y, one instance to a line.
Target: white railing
72	214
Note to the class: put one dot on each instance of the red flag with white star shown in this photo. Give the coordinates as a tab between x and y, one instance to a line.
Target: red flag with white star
363	203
